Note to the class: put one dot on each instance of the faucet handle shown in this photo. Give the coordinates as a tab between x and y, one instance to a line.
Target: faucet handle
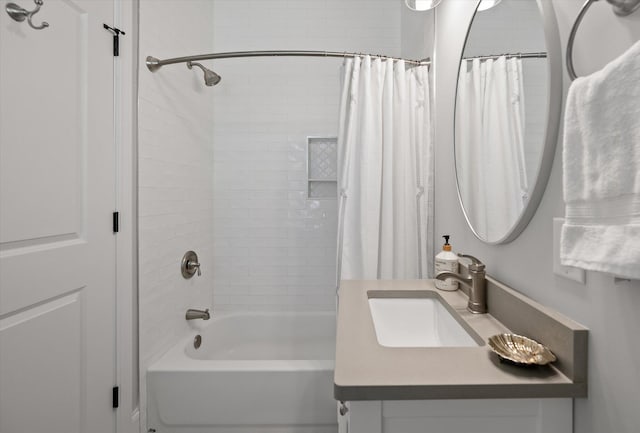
476	265
191	265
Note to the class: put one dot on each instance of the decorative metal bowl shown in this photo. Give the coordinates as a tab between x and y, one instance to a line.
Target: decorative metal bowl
520	350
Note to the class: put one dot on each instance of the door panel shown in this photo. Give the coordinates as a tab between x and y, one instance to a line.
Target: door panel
44	337
57	193
31	275
47	128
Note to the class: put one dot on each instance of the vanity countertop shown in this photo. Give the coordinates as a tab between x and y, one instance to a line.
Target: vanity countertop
365	370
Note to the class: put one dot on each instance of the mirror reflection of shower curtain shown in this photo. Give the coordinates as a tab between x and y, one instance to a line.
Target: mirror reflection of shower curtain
385	171
490	144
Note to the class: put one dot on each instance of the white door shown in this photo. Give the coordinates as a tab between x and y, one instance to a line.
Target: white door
57	249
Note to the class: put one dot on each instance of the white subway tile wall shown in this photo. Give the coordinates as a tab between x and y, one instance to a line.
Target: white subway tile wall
175	175
275	249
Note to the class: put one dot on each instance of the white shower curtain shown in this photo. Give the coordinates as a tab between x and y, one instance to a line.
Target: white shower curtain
490	157
385	172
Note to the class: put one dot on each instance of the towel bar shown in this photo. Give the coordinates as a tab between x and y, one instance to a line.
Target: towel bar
620	7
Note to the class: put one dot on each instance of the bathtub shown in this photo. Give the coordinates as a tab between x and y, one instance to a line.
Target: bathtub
254	372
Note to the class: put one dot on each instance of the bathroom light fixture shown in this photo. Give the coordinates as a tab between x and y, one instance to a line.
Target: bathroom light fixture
421	5
487	4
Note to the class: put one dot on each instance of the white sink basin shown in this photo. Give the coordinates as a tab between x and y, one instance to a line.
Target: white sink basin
416	322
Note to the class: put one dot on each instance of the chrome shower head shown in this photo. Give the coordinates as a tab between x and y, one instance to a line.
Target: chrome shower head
210	77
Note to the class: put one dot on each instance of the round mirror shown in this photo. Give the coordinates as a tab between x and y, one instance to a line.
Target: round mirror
507	113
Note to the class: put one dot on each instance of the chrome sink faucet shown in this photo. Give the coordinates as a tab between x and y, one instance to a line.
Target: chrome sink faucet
476	283
197	314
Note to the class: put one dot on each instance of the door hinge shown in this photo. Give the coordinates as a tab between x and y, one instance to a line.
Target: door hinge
114	397
116	222
116	38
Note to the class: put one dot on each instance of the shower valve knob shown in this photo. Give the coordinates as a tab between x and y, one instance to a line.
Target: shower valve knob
190	265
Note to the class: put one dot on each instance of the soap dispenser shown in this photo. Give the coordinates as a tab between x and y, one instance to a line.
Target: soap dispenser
446	261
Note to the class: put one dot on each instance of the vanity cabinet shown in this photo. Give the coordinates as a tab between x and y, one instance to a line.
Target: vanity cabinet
461	389
546	415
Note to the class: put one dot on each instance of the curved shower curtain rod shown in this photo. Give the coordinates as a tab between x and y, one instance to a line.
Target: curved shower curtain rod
154	63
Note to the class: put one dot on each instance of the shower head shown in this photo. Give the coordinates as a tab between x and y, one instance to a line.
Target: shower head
210	77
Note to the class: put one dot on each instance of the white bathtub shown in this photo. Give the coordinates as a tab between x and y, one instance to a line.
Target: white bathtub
254	372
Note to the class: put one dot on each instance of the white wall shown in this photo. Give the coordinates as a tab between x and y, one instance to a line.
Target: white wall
274	248
609	310
416	33
175	181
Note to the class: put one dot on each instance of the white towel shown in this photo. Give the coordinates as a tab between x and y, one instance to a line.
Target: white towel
601	177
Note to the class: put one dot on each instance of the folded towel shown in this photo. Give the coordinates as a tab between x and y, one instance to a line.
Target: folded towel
601	163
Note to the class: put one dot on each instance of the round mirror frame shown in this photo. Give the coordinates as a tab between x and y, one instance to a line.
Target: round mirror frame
554	105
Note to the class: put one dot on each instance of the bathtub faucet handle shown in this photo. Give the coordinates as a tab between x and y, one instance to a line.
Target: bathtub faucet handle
194	265
190	265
